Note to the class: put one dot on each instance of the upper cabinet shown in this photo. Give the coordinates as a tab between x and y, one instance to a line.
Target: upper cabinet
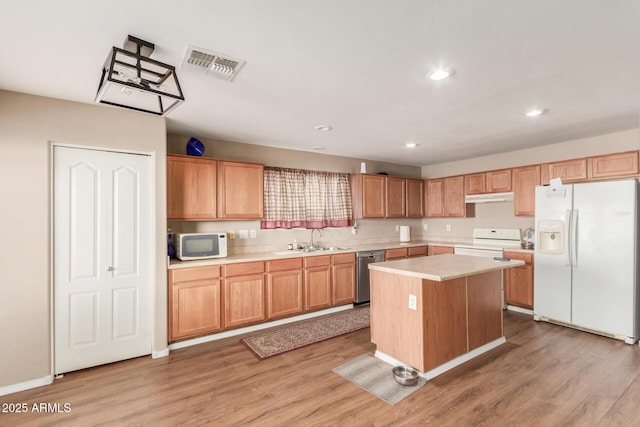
613	165
201	188
445	198
191	188
240	190
415	198
381	196
498	181
568	170
525	180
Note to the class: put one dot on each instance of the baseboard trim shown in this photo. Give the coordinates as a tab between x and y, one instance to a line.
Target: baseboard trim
519	309
14	388
253	328
160	353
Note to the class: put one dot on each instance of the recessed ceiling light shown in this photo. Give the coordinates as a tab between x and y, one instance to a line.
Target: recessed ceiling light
440	73
411	145
535	112
323	128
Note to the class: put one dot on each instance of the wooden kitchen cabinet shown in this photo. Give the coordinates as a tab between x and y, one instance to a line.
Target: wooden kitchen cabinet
518	281
317	282
395	253
417	251
569	171
415	198
244	295
499	181
445	198
475	183
240	190
438	250
368	193
618	165
191	188
343	275
525	180
284	287
194	302
395	197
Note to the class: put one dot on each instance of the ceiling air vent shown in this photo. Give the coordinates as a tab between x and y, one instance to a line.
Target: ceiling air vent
211	63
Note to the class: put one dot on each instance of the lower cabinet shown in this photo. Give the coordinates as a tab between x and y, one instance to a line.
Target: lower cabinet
438	250
317	282
194	302
284	287
344	278
396	253
518	281
244	294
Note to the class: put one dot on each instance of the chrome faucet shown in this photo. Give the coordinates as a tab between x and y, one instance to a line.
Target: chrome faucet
313	245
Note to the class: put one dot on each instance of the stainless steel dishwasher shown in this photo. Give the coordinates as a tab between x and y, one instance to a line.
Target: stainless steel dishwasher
362	274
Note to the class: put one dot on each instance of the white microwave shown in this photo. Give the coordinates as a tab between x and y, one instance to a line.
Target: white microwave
190	246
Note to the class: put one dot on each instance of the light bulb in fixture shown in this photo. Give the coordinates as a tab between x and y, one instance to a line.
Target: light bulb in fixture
323	128
535	112
440	73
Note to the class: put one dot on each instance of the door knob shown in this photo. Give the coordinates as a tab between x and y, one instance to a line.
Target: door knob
109	268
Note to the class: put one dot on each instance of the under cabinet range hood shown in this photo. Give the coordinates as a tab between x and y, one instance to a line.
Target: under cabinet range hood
488	198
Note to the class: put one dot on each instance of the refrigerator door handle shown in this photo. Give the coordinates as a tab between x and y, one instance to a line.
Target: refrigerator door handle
574	238
567	252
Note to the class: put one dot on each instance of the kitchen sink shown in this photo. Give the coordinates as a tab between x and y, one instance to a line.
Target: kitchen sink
312	250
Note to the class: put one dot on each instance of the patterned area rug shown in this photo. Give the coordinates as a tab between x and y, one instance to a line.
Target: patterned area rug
374	375
280	341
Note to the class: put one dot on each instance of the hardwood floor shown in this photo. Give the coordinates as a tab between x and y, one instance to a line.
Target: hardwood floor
545	375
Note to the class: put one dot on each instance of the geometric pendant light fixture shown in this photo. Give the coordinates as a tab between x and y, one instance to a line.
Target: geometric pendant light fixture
130	79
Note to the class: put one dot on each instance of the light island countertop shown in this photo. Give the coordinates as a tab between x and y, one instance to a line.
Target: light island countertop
443	267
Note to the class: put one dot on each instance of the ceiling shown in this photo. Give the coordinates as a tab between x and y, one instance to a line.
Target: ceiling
358	66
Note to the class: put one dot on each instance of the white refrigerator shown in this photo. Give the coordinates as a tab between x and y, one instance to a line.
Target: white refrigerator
586	257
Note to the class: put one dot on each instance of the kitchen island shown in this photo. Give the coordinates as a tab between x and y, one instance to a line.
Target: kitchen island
435	313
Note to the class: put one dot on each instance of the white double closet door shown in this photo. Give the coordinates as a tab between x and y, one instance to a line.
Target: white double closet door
103	257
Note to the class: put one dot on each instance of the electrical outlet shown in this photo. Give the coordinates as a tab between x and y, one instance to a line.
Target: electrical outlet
413	302
231	234
448	227
397	227
424	227
252	234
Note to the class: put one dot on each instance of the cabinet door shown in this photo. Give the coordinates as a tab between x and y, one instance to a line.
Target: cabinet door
191	188
614	165
284	293
417	251
438	250
434	198
568	171
373	196
397	253
395	200
195	308
317	287
240	190
454	205
525	180
243	300
518	283
415	198
499	181
475	183
343	277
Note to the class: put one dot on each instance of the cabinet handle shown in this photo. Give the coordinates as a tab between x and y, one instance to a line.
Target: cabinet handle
109	268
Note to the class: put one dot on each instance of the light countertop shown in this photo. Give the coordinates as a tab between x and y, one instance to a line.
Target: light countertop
443	267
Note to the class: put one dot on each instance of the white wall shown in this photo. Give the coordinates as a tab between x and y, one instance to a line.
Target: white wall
28	127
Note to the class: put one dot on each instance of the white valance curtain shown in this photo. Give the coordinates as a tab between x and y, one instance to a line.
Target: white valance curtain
297	198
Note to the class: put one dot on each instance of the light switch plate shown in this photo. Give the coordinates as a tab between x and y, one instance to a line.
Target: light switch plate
252	233
413	302
244	234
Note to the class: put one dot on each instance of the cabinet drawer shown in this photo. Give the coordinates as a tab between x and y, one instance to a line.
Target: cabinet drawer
318	261
243	268
344	258
284	264
194	273
439	250
417	251
395	253
523	256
